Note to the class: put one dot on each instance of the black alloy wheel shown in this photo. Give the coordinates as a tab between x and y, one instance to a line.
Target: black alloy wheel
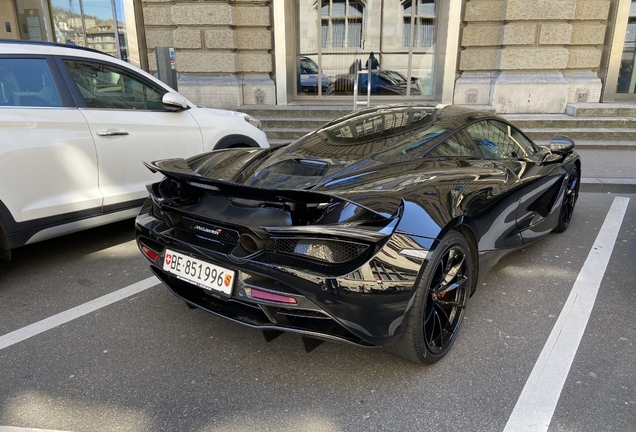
432	324
569	201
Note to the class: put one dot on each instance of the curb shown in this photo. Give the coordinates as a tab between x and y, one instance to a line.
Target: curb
583	146
608	185
597	144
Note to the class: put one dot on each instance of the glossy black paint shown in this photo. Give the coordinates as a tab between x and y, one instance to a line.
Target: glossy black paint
371	182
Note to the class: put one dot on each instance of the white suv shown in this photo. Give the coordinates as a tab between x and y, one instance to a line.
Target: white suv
75	126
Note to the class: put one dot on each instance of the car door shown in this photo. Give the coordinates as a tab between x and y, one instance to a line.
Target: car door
129	125
540	182
48	161
485	190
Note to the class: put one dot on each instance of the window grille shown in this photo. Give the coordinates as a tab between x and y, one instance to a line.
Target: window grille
424	18
341	23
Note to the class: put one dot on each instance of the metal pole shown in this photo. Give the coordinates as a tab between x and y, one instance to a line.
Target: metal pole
81	5
116	24
409	67
368	86
355	86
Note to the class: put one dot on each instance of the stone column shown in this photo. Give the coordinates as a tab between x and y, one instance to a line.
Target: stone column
531	56
222	49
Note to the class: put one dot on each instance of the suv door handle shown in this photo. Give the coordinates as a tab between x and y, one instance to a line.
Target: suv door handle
111	133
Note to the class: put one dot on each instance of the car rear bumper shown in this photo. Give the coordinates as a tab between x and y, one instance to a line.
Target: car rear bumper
364	307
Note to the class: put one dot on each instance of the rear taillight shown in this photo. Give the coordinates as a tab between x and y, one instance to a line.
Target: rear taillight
265	295
152	255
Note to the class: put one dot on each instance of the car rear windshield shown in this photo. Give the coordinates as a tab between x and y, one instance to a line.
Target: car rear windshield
391	134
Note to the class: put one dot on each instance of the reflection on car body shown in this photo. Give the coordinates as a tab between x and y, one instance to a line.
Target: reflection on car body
373	230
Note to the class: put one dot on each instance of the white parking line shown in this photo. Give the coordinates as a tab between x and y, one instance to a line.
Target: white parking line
20	429
537	402
63	317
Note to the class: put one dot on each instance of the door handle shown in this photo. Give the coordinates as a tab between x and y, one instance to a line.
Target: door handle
111	133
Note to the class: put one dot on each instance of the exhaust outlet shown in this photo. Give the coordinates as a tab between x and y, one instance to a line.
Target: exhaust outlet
252	243
172	219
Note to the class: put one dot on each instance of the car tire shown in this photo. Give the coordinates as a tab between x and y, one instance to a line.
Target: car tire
569	201
432	322
5	252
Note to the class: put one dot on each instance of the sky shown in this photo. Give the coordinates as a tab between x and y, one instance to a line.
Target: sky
102	9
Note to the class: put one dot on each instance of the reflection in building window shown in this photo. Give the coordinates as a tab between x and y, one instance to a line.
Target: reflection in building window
423	17
32	19
342	23
630	35
626	76
96	24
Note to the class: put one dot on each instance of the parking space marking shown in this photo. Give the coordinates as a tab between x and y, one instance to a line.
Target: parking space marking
20	429
63	317
537	402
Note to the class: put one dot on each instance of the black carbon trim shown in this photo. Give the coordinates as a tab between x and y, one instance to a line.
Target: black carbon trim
18	233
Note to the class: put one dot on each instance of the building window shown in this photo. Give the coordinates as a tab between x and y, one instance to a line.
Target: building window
341	23
422	14
627	72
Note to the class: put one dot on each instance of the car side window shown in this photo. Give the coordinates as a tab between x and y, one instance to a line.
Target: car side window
524	144
499	140
456	145
27	82
107	86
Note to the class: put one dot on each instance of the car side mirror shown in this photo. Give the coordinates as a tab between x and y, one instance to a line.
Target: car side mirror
561	145
173	101
545	155
552	157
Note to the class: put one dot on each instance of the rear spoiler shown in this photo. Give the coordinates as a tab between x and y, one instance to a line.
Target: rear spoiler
178	169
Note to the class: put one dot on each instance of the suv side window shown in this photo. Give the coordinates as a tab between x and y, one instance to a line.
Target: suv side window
108	86
456	145
27	82
499	140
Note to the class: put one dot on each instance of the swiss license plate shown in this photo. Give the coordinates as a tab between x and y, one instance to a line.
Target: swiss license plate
197	272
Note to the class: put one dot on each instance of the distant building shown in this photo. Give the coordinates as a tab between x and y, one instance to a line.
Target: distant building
101	36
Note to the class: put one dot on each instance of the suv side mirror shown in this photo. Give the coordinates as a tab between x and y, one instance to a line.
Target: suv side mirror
173	101
561	145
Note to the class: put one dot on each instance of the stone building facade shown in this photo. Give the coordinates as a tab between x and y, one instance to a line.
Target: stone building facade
518	56
223	49
531	56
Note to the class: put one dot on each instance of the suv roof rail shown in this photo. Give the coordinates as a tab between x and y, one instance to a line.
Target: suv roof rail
41	43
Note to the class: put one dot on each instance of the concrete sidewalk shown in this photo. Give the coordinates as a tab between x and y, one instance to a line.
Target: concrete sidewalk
606	169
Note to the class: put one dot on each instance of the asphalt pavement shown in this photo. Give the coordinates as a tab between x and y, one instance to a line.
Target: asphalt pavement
147	363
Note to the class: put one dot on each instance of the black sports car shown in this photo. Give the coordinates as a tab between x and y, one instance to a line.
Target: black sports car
373	230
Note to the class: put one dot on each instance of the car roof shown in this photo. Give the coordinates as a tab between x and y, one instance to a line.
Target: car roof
456	113
12	46
382	126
